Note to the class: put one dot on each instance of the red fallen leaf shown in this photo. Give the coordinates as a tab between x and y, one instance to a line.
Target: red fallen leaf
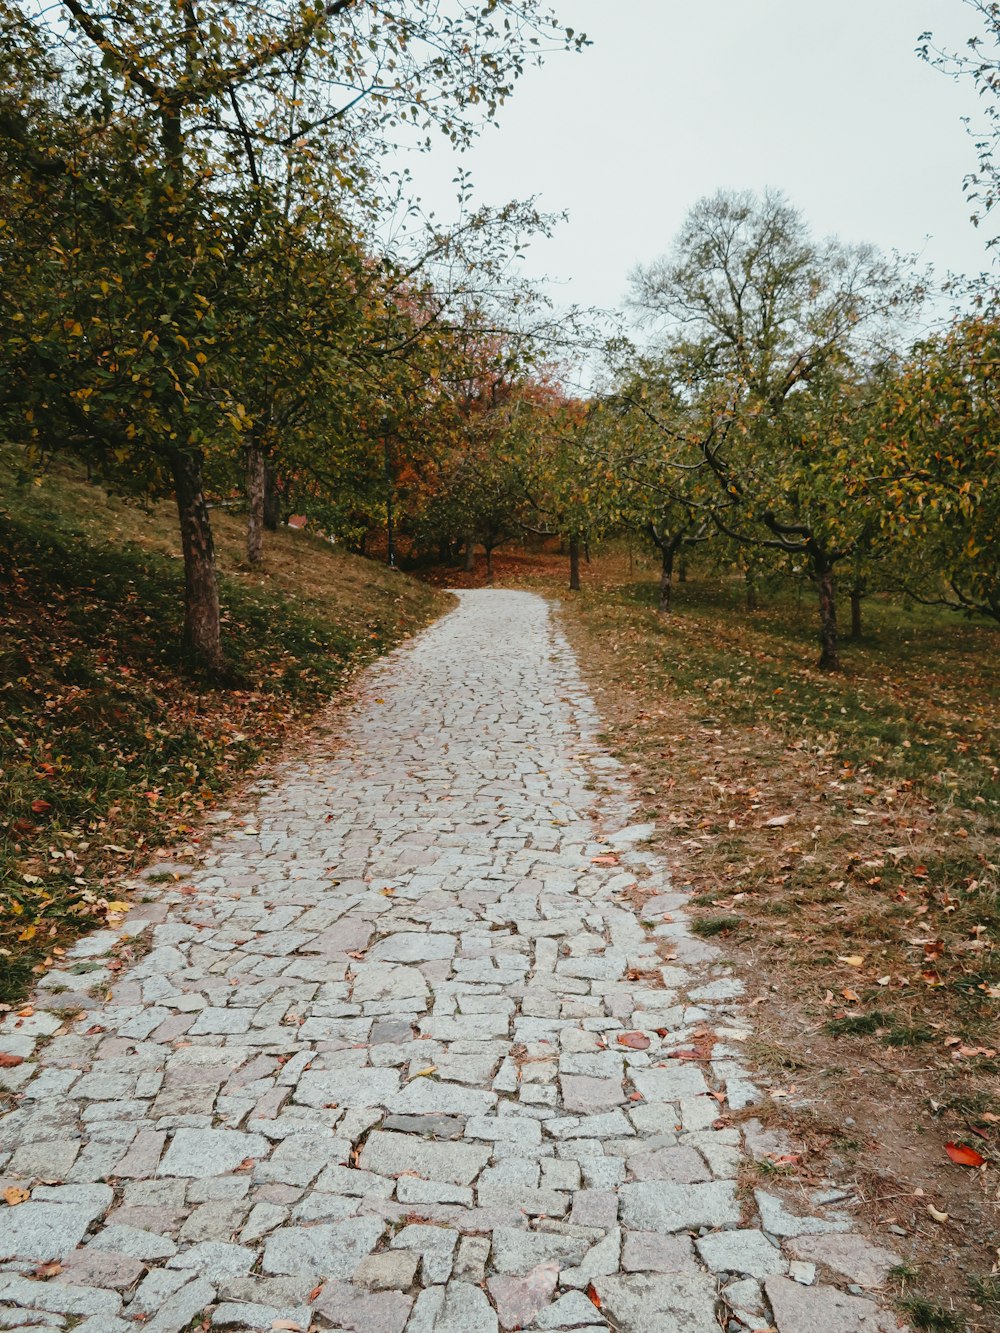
593	1297
24	826
247	1164
355	953
920	872
934	950
48	1270
662	1032
114	964
635	1040
964	1156
685	1055
40	806
9	1061
635	1097
93	1030
314	1294
189	889
606	859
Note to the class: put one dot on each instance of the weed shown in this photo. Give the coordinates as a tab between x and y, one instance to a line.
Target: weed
930	1318
858	1025
708	926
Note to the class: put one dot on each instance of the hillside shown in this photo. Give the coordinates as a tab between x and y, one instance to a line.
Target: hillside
107	749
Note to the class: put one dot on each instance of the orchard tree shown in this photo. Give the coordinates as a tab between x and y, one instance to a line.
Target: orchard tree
171	130
780	334
939	443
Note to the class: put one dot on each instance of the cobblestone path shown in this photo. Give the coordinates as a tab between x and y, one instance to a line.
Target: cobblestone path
397	1056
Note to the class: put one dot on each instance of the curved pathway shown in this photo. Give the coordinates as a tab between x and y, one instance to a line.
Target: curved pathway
401	1053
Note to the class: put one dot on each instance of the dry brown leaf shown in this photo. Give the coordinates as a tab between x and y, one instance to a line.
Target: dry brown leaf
15	1194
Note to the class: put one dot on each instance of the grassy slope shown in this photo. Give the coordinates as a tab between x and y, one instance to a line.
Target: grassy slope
868	924
106	748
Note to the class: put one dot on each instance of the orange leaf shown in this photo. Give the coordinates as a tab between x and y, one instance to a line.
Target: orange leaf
593	1297
964	1156
14	1195
40	807
635	1040
606	859
9	1061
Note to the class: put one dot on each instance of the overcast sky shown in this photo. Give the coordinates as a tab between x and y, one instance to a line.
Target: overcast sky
678	98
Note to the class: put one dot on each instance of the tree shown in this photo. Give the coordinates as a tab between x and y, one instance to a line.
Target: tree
174	130
979	64
649	454
939	437
777	336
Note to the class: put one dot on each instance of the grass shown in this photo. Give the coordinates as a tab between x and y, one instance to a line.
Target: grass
107	748
930	1318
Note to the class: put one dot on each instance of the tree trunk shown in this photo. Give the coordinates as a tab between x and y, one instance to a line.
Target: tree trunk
751	591
272	499
470	553
666	578
829	658
256	490
574	564
489	564
444	552
856	595
202	629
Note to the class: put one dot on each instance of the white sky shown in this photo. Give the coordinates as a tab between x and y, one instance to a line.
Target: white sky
677	98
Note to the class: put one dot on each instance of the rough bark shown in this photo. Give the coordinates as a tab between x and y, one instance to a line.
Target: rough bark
856	595
829	658
574	564
256	490
272	499
666	578
202	628
470	553
489	564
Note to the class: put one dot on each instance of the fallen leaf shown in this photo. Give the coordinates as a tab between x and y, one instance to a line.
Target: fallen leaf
851	996
964	1156
288	1324
593	1297
852	960
425	1073
49	1269
40	806
636	1041
9	1061
779	821
933	1212
314	1294
14	1194
606	859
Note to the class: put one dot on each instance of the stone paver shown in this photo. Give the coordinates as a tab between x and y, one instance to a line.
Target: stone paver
366	1072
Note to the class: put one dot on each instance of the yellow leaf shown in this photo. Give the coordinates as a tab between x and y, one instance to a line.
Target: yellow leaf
14	1194
852	960
423	1073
